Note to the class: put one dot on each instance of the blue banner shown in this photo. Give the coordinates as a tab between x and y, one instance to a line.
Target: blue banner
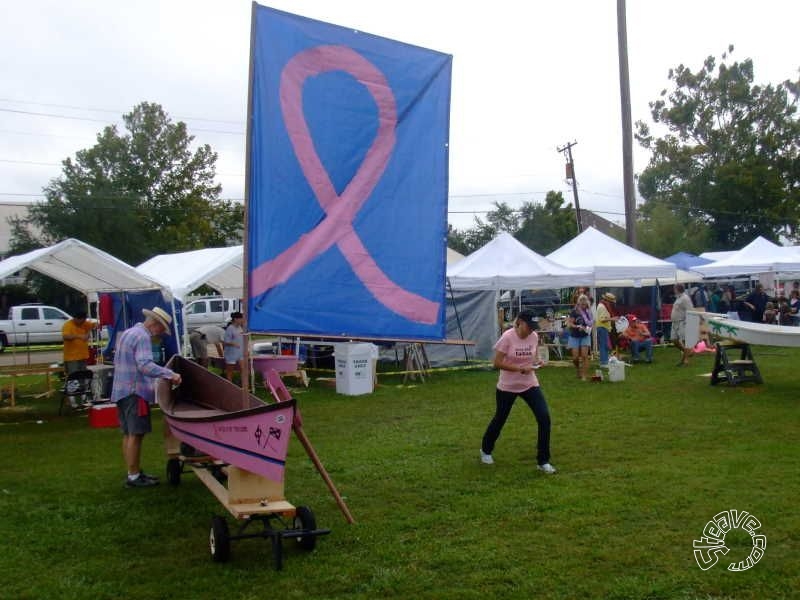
347	207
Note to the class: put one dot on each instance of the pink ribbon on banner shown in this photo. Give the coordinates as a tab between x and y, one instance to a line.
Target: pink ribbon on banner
340	210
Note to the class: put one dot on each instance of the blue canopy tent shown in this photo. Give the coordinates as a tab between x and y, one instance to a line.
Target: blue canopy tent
686	261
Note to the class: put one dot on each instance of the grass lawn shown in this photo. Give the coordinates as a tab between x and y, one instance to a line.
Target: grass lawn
643	465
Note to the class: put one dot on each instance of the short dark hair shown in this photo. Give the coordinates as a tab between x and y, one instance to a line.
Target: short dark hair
79	314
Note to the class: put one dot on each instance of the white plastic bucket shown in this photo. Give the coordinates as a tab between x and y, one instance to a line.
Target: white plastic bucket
354	368
616	371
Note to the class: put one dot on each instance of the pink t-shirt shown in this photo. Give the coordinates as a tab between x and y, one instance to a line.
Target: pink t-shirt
521	353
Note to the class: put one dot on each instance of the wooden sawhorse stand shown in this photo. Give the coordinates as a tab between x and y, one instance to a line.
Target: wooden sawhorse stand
416	362
734	371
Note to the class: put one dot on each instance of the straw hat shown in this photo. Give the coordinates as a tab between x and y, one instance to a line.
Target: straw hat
159	315
608	296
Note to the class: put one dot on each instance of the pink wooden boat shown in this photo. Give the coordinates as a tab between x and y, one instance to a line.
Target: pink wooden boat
206	412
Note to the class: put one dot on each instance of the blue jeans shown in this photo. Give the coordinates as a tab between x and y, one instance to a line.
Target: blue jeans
602	344
505	401
646	345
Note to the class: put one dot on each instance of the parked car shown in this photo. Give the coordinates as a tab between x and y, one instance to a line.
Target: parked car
537	301
213	310
32	324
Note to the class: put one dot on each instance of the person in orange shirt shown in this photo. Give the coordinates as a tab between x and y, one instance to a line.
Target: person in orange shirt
76	333
640	338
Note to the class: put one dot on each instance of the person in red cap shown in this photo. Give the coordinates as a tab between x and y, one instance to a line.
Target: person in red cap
640	339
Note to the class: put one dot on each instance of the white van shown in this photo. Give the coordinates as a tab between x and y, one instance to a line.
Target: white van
214	310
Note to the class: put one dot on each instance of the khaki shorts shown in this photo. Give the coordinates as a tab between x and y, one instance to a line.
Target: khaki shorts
678	332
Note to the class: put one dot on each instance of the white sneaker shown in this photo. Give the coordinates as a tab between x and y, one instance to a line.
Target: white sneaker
547	468
486	458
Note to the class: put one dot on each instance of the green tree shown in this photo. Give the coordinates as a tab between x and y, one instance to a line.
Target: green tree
502	218
541	227
137	194
546	227
663	231
730	155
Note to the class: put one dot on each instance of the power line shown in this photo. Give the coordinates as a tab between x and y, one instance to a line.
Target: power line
73	118
29	162
53	135
38	114
111	110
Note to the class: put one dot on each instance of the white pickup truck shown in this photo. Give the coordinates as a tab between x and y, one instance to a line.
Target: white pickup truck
32	324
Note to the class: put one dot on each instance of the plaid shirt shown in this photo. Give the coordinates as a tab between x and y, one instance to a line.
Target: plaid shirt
134	368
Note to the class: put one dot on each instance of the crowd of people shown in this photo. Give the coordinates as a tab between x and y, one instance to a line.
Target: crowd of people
754	305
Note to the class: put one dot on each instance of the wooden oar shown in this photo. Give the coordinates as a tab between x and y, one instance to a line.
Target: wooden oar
301	435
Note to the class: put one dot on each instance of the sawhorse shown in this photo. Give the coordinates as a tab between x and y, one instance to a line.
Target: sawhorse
734	370
416	362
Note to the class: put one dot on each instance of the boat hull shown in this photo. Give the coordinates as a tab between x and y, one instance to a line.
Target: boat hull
210	414
762	334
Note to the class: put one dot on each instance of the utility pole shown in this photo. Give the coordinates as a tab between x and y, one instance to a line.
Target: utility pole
567	151
627	134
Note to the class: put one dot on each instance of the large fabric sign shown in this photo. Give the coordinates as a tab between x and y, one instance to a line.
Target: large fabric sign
347	207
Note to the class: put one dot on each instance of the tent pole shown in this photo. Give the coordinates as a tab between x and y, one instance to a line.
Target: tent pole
458	319
178	337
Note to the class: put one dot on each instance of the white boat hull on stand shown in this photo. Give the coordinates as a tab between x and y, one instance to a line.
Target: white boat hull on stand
761	334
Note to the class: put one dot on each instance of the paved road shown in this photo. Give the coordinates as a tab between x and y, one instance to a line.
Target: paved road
22	357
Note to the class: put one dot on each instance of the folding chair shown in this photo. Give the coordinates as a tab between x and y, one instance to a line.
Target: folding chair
78	389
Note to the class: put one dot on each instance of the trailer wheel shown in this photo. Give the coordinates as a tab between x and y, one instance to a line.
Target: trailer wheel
3	343
304	519
219	540
174	469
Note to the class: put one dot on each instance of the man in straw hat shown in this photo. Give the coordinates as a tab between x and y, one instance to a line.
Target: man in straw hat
133	391
606	317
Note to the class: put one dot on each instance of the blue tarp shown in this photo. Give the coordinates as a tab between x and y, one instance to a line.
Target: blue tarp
347	207
128	308
685	261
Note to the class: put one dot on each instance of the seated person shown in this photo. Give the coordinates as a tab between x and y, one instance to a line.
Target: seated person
640	339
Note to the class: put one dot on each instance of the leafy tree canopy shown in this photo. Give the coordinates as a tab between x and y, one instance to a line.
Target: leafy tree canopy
730	156
136	194
541	227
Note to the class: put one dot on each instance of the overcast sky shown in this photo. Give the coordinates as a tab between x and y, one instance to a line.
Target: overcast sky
528	76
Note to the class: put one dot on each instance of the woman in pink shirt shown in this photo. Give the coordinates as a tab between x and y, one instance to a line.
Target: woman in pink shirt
516	357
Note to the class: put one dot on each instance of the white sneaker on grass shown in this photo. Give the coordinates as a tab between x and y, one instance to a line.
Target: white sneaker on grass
547	468
486	458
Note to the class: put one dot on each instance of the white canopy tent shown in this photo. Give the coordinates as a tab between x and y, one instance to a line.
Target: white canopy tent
183	272
86	269
82	267
453	257
507	264
759	256
613	263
